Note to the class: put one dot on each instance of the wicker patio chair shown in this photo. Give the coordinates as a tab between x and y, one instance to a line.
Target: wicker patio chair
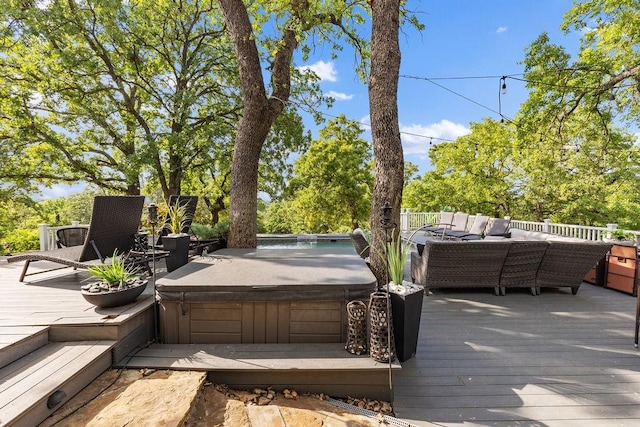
71	236
566	263
459	264
521	265
360	244
477	228
114	221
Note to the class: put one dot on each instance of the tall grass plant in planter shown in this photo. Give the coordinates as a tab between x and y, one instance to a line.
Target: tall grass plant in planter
397	253
177	241
406	300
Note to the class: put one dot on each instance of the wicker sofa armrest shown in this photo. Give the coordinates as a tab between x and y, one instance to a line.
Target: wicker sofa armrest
566	263
521	265
417	268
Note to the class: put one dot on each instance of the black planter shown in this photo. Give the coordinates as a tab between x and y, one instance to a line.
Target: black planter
406	309
178	247
115	298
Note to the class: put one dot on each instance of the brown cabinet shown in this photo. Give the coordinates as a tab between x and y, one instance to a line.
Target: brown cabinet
622	269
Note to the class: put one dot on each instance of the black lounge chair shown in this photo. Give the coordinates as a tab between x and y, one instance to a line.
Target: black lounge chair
360	244
114	222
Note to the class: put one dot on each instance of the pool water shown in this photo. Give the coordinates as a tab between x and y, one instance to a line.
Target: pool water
303	244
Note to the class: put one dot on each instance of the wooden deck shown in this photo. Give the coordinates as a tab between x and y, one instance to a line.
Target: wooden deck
309	367
550	360
53	343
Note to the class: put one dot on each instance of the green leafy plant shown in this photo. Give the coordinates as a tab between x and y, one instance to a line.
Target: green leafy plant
179	218
116	274
397	253
20	240
622	235
221	228
203	231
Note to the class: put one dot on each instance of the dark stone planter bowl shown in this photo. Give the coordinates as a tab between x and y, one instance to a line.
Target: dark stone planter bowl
115	298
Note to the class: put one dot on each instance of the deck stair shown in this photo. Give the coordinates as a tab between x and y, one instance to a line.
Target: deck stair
18	341
317	368
37	376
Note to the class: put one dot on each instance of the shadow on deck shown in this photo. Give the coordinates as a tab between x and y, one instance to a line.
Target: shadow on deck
549	360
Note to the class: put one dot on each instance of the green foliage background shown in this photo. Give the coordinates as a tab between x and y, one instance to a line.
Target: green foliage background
117	123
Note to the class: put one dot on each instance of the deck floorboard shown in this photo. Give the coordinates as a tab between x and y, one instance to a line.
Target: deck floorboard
550	360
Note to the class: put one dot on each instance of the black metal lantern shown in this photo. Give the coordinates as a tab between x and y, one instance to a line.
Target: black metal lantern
153	213
387	216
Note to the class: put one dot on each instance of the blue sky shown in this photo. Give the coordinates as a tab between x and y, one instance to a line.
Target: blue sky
463	38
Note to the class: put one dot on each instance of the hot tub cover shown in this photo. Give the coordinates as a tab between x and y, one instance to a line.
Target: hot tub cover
269	275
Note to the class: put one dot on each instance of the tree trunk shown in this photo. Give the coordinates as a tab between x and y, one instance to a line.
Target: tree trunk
259	114
383	107
214	207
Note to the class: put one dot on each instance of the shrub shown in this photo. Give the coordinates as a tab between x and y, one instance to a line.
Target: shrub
20	240
203	231
221	229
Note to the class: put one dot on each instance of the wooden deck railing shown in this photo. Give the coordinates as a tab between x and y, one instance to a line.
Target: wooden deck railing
410	221
48	236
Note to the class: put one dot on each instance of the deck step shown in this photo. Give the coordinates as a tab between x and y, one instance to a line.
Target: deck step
316	368
34	386
18	341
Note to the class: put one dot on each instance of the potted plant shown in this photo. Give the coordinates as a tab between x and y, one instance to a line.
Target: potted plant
117	284
621	237
177	242
406	300
397	253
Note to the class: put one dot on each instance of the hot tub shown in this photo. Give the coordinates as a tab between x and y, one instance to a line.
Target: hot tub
262	296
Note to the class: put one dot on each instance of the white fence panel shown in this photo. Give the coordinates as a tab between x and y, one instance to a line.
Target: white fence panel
417	219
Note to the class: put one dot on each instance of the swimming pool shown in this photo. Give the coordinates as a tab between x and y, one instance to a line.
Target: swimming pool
293	243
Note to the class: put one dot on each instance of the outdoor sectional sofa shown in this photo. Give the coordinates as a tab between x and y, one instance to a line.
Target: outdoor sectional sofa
531	260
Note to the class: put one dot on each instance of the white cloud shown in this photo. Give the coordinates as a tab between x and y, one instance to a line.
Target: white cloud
339	96
366	121
501	30
416	138
61	190
326	71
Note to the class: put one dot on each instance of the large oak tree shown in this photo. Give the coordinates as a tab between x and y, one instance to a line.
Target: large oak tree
385	130
294	21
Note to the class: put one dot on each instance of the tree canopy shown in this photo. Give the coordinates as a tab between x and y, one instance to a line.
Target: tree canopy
331	185
122	95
